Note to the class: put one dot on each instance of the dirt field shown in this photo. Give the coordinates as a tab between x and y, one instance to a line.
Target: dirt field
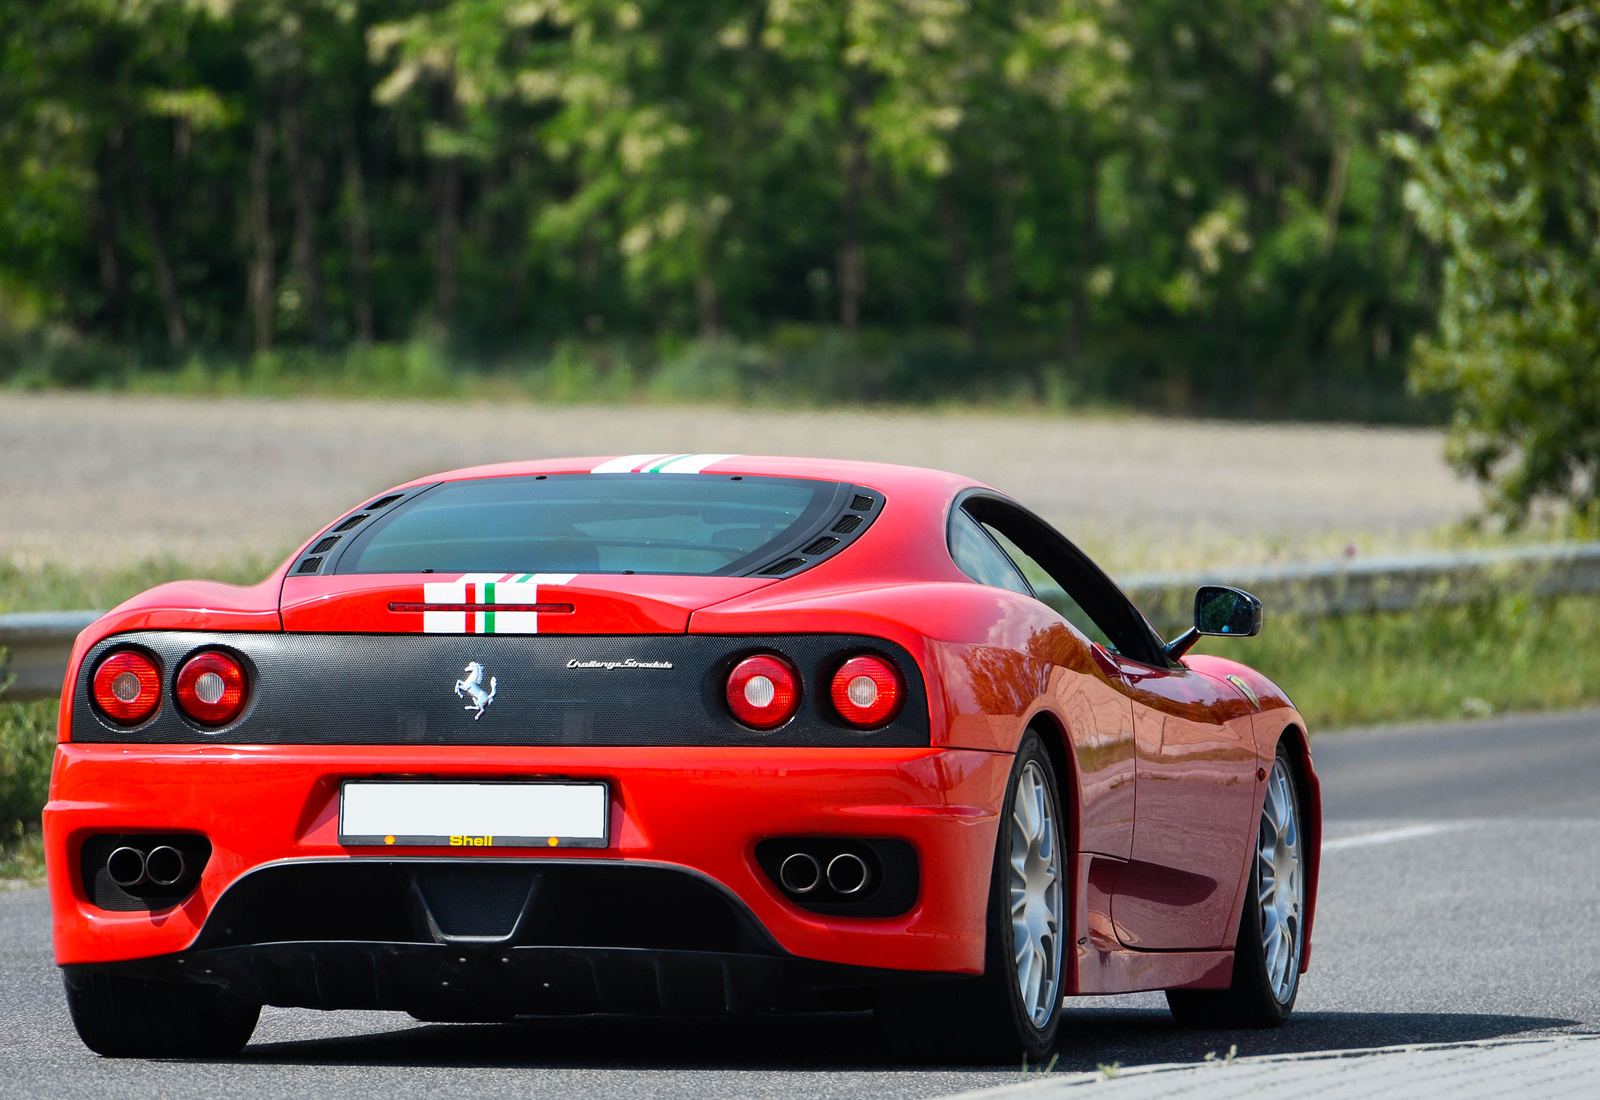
91	480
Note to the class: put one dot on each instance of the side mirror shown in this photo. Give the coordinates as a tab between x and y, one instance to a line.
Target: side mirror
1219	612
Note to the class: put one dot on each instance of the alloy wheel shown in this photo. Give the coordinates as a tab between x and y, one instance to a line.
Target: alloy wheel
1279	882
1035	895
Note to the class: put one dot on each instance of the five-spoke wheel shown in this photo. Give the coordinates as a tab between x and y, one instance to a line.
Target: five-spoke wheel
1266	958
1012	1011
1035	894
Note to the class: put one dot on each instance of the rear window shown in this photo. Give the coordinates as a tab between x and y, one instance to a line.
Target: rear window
594	523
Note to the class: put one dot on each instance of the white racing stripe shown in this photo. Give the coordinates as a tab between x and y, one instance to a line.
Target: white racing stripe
692	464
659	464
1389	836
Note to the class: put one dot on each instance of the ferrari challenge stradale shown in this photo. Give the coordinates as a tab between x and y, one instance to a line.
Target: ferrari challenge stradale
675	734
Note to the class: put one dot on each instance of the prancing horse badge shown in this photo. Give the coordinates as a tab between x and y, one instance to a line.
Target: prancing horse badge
472	688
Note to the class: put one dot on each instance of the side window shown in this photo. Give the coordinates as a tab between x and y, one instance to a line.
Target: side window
977	556
1050	592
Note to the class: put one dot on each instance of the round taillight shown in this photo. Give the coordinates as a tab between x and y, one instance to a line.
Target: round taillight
867	691
211	688
763	691
127	687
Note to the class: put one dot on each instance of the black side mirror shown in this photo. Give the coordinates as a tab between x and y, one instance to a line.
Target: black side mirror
1220	612
1230	611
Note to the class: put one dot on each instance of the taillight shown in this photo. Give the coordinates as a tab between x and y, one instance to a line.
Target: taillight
127	687
763	691
867	691
211	688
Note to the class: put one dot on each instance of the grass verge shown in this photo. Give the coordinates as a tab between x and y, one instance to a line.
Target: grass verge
53	588
798	365
22	857
27	741
1506	653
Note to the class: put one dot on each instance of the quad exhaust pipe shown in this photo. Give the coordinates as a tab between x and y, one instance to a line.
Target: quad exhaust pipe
126	866
165	865
802	873
129	867
848	873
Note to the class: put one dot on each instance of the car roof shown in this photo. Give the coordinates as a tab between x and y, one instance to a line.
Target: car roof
889	478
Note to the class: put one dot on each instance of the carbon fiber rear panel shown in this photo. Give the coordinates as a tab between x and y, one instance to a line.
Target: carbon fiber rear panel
391	689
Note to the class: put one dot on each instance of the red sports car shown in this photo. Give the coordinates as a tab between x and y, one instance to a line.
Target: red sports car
686	734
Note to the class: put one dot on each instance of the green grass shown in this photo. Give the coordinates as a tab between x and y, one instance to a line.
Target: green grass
22	856
1507	653
27	741
53	588
795	366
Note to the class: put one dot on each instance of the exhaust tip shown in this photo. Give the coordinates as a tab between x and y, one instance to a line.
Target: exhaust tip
800	873
848	873
165	865
126	867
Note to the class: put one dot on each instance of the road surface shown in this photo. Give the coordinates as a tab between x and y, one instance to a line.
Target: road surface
1460	901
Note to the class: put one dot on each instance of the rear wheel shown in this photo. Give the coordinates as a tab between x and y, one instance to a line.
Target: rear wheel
1012	1012
124	1017
1266	960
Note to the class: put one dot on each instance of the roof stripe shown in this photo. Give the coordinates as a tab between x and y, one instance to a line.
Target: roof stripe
627	464
659	463
692	464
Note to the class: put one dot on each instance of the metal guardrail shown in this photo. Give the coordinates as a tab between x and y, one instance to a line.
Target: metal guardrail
1380	584
38	644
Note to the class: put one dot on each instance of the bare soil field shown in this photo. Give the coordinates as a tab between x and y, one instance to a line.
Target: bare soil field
98	480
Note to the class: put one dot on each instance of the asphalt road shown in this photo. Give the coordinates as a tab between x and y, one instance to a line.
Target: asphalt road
1461	901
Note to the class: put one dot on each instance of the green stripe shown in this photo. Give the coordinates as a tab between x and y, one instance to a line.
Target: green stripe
488	592
655	467
488	622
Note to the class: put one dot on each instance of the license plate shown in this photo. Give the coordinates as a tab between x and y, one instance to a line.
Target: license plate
473	815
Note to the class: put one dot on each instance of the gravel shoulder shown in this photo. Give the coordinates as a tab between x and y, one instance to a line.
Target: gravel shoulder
95	480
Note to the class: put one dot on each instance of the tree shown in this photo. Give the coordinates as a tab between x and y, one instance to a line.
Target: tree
1506	96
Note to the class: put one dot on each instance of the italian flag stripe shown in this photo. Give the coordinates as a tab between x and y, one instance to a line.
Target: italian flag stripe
487	588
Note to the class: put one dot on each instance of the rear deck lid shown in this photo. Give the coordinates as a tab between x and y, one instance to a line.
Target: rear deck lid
503	603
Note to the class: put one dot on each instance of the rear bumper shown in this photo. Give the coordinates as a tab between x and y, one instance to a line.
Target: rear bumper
697	811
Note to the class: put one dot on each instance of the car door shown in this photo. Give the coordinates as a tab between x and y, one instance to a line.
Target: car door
1193	830
1193	745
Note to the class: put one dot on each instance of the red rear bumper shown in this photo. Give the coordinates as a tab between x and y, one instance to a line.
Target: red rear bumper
699	808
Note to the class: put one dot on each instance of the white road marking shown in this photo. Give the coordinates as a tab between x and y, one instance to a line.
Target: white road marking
1389	836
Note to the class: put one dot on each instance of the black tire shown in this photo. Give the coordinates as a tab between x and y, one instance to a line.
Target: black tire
1251	1000
124	1017
983	1021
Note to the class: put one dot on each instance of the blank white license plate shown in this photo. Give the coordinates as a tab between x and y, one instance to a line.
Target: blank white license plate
474	815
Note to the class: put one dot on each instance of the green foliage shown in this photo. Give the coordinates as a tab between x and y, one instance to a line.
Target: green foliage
22	857
27	744
1178	204
1506	97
